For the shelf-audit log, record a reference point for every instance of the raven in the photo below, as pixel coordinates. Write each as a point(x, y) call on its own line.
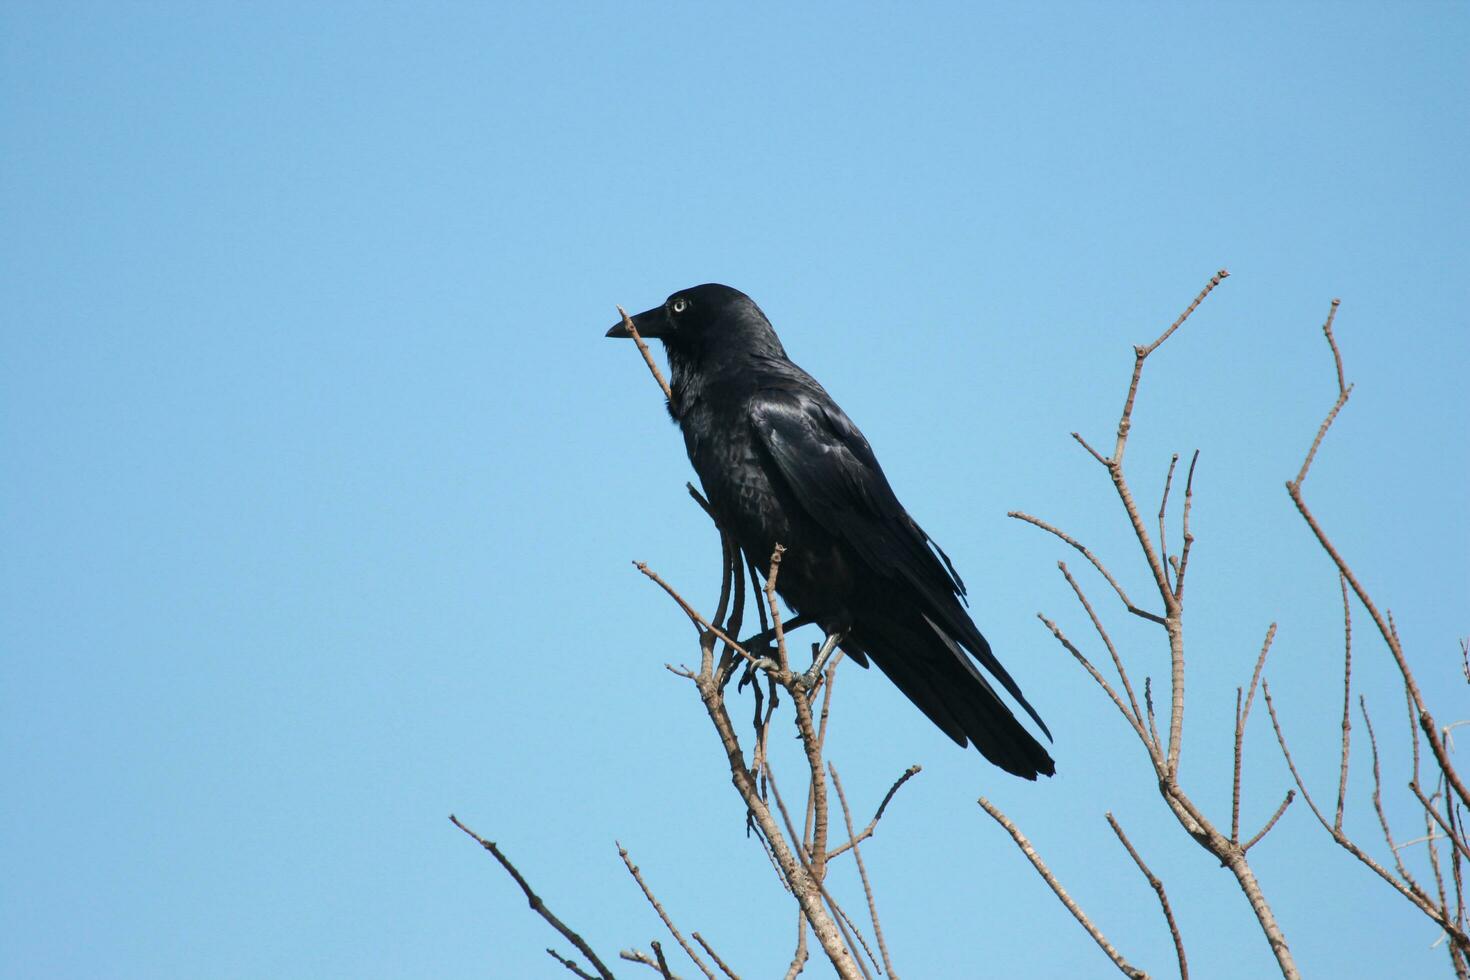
point(782, 463)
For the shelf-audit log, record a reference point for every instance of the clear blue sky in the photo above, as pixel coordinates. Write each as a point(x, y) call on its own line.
point(321, 482)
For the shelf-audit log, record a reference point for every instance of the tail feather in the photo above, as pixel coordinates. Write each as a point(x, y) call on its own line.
point(935, 674)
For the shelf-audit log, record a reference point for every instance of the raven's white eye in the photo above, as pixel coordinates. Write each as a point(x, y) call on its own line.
point(680, 305)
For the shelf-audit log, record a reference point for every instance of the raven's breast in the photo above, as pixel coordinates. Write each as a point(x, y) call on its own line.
point(754, 503)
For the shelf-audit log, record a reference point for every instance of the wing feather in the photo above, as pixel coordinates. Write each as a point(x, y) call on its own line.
point(833, 473)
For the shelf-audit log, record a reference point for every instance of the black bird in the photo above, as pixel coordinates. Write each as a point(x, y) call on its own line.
point(782, 463)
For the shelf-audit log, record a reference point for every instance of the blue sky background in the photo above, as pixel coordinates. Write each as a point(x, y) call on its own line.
point(321, 483)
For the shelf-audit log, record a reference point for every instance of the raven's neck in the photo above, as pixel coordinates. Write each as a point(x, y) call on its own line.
point(734, 374)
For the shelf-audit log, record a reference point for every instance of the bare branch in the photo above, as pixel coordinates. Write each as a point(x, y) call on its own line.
point(1450, 833)
point(1344, 390)
point(793, 869)
point(867, 831)
point(1148, 704)
point(658, 907)
point(1127, 603)
point(1384, 624)
point(1085, 445)
point(1097, 676)
point(1414, 895)
point(663, 964)
point(1164, 503)
point(1290, 795)
point(571, 965)
point(647, 355)
point(799, 958)
point(638, 956)
point(862, 872)
point(844, 924)
point(537, 905)
point(771, 575)
point(1140, 354)
point(1347, 699)
point(1158, 887)
point(1135, 718)
point(1183, 565)
point(1242, 713)
point(1128, 969)
point(724, 968)
point(694, 617)
point(1378, 803)
point(848, 964)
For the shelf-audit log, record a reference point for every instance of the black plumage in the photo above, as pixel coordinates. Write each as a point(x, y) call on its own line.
point(780, 462)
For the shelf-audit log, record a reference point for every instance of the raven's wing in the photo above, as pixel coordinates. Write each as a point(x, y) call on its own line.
point(833, 473)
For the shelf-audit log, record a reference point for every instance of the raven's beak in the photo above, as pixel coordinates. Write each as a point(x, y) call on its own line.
point(649, 323)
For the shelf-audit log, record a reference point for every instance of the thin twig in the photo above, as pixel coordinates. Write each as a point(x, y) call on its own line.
point(1378, 801)
point(663, 964)
point(1242, 713)
point(1088, 446)
point(771, 575)
point(1097, 676)
point(694, 617)
point(658, 907)
point(1347, 701)
point(862, 873)
point(537, 905)
point(1148, 704)
point(724, 968)
point(647, 355)
point(1344, 390)
point(839, 918)
point(867, 831)
point(1128, 969)
point(571, 965)
point(1158, 887)
point(1127, 603)
point(1141, 353)
point(799, 957)
point(638, 956)
point(1183, 564)
point(1384, 623)
point(1414, 895)
point(1135, 717)
point(1290, 795)
point(1164, 502)
point(1429, 806)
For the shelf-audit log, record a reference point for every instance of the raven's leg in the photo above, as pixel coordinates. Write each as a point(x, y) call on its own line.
point(809, 679)
point(765, 638)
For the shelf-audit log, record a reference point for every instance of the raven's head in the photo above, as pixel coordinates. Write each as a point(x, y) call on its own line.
point(705, 323)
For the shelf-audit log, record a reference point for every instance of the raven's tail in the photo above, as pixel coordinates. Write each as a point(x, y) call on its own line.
point(940, 678)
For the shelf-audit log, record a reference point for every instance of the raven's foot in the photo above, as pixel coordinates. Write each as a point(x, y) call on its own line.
point(811, 677)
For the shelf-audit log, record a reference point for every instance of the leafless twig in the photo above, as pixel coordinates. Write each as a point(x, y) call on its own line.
point(1290, 795)
point(1412, 892)
point(647, 355)
point(1384, 623)
point(1128, 969)
point(1158, 887)
point(571, 965)
point(1164, 756)
point(862, 871)
point(1127, 603)
point(867, 831)
point(537, 905)
point(658, 907)
point(1347, 701)
point(724, 968)
point(1242, 714)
